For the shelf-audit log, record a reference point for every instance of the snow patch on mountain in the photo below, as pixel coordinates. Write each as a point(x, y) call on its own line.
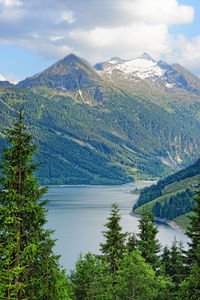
point(169, 85)
point(142, 67)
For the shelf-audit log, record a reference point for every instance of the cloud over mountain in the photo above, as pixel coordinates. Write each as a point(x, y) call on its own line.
point(92, 28)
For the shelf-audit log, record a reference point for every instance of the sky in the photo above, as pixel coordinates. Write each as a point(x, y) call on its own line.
point(34, 34)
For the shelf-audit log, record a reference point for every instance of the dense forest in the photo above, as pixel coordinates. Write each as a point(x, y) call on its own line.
point(93, 130)
point(131, 266)
point(171, 197)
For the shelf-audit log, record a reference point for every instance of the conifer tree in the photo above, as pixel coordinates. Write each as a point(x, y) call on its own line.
point(28, 267)
point(147, 243)
point(189, 288)
point(193, 232)
point(165, 260)
point(172, 262)
point(114, 246)
point(176, 266)
point(131, 244)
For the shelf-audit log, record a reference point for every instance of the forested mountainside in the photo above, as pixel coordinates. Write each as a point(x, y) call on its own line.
point(107, 126)
point(172, 198)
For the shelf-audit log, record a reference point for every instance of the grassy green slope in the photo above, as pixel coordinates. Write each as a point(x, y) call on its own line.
point(172, 198)
point(183, 221)
point(169, 191)
point(111, 140)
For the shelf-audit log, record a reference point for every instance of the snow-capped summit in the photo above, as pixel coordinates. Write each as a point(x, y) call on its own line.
point(116, 59)
point(143, 66)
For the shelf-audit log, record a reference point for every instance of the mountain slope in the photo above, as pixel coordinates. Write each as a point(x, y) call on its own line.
point(171, 198)
point(158, 73)
point(96, 128)
point(70, 73)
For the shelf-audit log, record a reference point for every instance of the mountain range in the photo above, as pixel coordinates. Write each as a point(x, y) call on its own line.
point(119, 121)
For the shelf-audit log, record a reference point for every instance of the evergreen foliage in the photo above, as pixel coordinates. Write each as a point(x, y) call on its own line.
point(173, 262)
point(122, 273)
point(189, 288)
point(102, 140)
point(173, 196)
point(130, 266)
point(131, 242)
point(147, 243)
point(177, 205)
point(91, 279)
point(193, 232)
point(114, 246)
point(28, 267)
point(137, 280)
point(155, 191)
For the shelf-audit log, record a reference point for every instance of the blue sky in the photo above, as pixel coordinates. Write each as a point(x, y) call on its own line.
point(36, 33)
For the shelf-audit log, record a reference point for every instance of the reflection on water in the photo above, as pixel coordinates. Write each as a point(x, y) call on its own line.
point(78, 215)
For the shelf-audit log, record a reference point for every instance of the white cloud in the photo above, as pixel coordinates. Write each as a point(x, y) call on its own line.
point(45, 49)
point(10, 77)
point(67, 16)
point(143, 27)
point(56, 38)
point(186, 52)
point(11, 3)
point(13, 78)
point(2, 78)
point(97, 29)
point(11, 15)
point(158, 11)
point(126, 41)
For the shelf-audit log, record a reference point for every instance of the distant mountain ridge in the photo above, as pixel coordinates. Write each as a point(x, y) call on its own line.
point(74, 73)
point(108, 126)
point(145, 67)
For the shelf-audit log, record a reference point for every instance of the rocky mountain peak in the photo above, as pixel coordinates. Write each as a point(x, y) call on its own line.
point(116, 58)
point(69, 73)
point(145, 55)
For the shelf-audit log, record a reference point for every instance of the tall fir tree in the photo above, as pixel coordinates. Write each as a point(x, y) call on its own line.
point(172, 262)
point(131, 244)
point(193, 232)
point(147, 242)
point(114, 246)
point(28, 267)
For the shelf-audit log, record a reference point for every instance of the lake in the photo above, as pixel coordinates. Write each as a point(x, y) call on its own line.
point(78, 214)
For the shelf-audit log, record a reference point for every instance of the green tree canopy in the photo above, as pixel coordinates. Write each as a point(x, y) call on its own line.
point(114, 246)
point(28, 267)
point(193, 232)
point(147, 243)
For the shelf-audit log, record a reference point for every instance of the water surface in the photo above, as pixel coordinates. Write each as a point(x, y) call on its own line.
point(78, 215)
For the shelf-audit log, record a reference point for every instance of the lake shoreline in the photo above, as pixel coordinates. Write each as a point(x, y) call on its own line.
point(102, 185)
point(171, 223)
point(78, 214)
